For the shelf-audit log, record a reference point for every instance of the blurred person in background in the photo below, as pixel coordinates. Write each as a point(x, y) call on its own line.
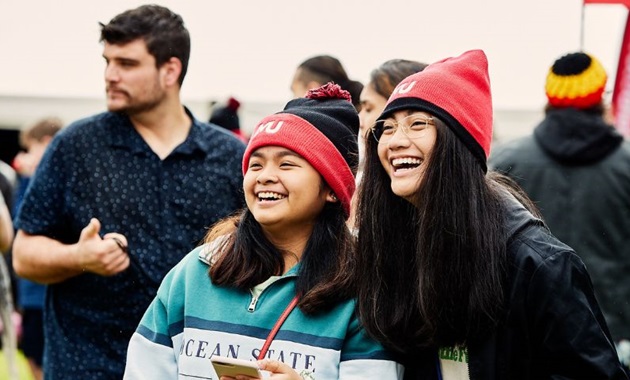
point(119, 197)
point(321, 69)
point(10, 320)
point(8, 184)
point(226, 116)
point(576, 167)
point(33, 139)
point(6, 226)
point(374, 95)
point(30, 295)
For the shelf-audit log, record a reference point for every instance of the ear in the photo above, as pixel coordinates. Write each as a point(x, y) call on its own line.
point(45, 139)
point(171, 70)
point(331, 197)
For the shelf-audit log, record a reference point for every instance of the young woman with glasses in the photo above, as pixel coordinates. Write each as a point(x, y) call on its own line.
point(455, 271)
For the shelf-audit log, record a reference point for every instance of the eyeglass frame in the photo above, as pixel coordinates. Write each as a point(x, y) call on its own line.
point(405, 128)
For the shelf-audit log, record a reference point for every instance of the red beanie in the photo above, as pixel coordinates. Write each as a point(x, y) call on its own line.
point(319, 128)
point(457, 91)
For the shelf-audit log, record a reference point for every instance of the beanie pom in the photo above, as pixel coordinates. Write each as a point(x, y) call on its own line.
point(233, 104)
point(330, 90)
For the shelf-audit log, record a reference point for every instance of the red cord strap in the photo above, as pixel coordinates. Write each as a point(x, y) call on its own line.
point(276, 327)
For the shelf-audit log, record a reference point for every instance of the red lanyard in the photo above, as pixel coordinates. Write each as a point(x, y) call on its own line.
point(276, 327)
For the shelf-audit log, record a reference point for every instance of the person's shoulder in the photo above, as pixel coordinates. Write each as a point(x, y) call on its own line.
point(195, 264)
point(209, 252)
point(537, 259)
point(84, 133)
point(89, 126)
point(189, 265)
point(530, 242)
point(617, 162)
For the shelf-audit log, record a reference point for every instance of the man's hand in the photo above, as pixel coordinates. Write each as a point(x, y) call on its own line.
point(105, 256)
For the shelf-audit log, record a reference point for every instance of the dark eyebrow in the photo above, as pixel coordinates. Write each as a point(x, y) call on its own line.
point(121, 59)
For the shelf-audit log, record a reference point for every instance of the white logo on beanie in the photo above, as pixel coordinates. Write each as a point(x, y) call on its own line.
point(403, 88)
point(268, 127)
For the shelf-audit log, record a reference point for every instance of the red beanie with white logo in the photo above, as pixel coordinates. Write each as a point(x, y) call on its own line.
point(457, 91)
point(318, 127)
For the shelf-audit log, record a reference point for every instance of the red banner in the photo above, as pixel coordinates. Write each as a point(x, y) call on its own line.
point(621, 92)
point(624, 2)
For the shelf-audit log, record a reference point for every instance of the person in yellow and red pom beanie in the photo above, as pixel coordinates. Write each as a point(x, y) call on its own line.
point(575, 166)
point(456, 271)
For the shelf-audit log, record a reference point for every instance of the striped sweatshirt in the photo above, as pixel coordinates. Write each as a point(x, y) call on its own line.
point(191, 319)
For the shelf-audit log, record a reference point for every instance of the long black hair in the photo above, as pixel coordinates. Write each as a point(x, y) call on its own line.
point(246, 258)
point(431, 274)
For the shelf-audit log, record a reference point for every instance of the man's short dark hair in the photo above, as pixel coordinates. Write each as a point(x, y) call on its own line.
point(162, 30)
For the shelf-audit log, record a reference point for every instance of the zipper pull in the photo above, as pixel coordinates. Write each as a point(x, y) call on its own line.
point(252, 304)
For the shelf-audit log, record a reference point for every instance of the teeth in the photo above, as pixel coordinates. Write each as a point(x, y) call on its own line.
point(406, 161)
point(270, 195)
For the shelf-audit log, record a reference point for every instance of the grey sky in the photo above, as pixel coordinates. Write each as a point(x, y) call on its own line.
point(250, 48)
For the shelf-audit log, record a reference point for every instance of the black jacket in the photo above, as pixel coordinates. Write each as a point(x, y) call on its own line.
point(553, 327)
point(576, 168)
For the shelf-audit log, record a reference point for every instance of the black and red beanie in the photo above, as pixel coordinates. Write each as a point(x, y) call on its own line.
point(226, 116)
point(575, 80)
point(457, 91)
point(318, 127)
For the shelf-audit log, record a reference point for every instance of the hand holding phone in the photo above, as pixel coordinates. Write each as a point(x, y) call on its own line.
point(232, 367)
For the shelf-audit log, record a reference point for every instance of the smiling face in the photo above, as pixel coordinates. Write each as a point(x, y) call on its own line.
point(283, 191)
point(404, 159)
point(133, 82)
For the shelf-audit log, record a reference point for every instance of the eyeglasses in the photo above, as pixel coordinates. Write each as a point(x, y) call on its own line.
point(413, 126)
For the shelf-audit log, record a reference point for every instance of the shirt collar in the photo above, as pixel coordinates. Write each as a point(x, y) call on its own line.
point(196, 140)
point(125, 136)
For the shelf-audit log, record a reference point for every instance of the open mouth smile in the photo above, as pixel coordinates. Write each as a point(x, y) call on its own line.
point(269, 196)
point(401, 164)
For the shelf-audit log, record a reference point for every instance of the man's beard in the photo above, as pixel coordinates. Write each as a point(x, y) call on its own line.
point(136, 107)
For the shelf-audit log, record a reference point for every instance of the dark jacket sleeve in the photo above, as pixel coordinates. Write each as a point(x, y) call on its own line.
point(570, 336)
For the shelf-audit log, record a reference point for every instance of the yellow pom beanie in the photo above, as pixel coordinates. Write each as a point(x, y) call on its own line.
point(575, 80)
